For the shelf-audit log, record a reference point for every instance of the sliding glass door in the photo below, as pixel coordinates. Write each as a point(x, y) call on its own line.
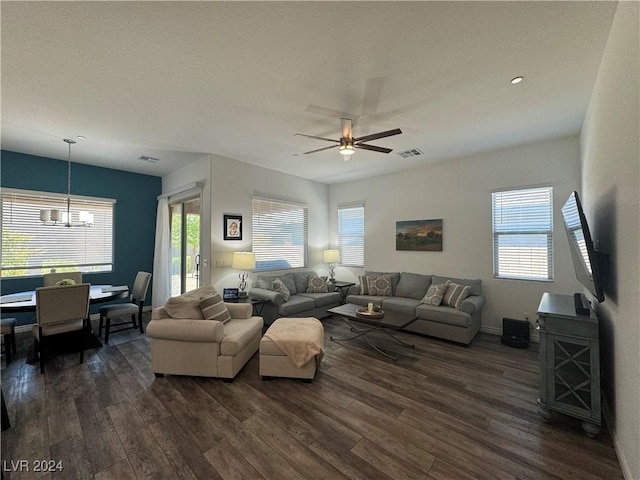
point(185, 245)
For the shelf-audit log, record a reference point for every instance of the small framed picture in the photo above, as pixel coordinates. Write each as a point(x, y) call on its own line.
point(232, 227)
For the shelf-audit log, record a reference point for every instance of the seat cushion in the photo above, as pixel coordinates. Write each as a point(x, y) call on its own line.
point(448, 315)
point(296, 304)
point(364, 300)
point(119, 309)
point(321, 299)
point(238, 333)
point(400, 304)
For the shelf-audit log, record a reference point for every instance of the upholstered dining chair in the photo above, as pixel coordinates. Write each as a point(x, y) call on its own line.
point(60, 309)
point(50, 279)
point(133, 308)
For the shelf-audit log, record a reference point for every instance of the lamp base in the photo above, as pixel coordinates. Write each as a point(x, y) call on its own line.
point(242, 294)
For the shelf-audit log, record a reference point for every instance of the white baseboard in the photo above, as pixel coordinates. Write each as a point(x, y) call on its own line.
point(622, 460)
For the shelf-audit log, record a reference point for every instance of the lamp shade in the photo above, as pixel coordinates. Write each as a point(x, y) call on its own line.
point(331, 256)
point(243, 260)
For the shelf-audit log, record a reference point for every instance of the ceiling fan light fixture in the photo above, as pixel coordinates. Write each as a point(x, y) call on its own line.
point(347, 150)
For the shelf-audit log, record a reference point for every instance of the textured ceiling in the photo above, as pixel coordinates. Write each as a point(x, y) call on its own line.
point(176, 80)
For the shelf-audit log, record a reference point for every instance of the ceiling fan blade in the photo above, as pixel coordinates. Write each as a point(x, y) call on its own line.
point(317, 138)
point(320, 149)
point(346, 127)
point(375, 136)
point(373, 148)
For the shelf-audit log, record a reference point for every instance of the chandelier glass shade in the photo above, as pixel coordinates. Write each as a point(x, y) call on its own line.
point(57, 217)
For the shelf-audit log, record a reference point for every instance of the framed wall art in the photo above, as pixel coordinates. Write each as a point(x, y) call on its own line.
point(232, 227)
point(420, 235)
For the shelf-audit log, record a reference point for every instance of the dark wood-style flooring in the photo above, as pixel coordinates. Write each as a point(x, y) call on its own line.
point(441, 411)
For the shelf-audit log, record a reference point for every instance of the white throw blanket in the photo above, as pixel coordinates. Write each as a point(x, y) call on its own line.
point(300, 339)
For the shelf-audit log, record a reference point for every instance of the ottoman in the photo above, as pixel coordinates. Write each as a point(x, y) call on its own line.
point(292, 348)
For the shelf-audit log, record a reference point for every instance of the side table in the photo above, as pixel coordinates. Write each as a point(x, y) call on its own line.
point(343, 289)
point(257, 303)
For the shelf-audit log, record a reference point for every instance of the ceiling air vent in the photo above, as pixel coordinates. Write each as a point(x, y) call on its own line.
point(146, 158)
point(414, 152)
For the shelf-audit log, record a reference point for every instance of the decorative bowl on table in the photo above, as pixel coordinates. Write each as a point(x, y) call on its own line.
point(365, 313)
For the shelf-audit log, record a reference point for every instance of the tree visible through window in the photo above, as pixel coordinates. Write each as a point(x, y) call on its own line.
point(523, 234)
point(30, 248)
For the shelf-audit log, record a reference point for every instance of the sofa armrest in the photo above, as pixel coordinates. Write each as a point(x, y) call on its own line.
point(204, 331)
point(274, 297)
point(240, 310)
point(472, 303)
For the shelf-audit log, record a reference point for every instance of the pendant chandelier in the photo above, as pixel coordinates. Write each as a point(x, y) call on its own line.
point(57, 217)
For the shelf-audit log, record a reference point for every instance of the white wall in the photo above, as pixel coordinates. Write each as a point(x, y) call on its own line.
point(459, 192)
point(234, 183)
point(610, 184)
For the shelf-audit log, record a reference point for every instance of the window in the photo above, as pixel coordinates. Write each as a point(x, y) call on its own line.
point(279, 234)
point(30, 248)
point(523, 234)
point(351, 235)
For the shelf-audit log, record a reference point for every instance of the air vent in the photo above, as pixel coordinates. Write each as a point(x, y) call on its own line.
point(414, 152)
point(145, 158)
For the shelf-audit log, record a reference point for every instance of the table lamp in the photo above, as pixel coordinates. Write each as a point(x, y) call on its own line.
point(332, 257)
point(243, 261)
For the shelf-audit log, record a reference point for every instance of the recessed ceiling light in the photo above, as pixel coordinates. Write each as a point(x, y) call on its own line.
point(516, 80)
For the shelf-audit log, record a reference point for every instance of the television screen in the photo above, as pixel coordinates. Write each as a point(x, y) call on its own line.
point(583, 253)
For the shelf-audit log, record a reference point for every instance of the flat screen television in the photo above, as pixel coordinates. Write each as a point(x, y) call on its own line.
point(586, 260)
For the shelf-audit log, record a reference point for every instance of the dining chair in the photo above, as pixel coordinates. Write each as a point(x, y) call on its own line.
point(60, 309)
point(50, 279)
point(133, 308)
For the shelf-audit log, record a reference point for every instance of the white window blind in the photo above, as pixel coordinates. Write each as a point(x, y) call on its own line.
point(523, 234)
point(279, 234)
point(351, 235)
point(30, 248)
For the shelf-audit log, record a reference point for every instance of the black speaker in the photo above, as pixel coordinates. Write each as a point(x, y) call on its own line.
point(515, 333)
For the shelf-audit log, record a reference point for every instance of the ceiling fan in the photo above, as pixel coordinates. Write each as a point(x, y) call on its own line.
point(347, 144)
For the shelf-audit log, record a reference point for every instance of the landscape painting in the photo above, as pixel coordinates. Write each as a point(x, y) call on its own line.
point(421, 235)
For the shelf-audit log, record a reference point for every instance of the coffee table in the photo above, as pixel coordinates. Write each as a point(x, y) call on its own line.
point(391, 321)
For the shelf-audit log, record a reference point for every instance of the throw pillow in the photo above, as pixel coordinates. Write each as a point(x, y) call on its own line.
point(364, 285)
point(380, 286)
point(435, 294)
point(184, 307)
point(455, 294)
point(279, 286)
point(317, 285)
point(213, 308)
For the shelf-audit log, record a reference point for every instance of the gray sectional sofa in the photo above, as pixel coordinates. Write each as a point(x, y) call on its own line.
point(459, 324)
point(301, 303)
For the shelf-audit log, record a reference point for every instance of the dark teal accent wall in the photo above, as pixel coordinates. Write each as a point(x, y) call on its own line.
point(134, 213)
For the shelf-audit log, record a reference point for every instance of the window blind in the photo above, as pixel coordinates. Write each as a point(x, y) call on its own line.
point(279, 234)
point(30, 248)
point(351, 235)
point(523, 234)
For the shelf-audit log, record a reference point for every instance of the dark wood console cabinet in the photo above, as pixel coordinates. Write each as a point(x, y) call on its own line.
point(569, 362)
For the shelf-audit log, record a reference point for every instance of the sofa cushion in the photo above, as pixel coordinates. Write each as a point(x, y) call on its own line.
point(412, 285)
point(435, 294)
point(301, 279)
point(266, 282)
point(455, 294)
point(184, 307)
point(400, 304)
point(239, 334)
point(447, 315)
point(476, 285)
point(278, 286)
point(317, 284)
point(325, 298)
point(395, 278)
point(380, 286)
point(296, 304)
point(364, 300)
point(213, 308)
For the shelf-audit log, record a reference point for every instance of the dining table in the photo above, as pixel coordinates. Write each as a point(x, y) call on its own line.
point(26, 301)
